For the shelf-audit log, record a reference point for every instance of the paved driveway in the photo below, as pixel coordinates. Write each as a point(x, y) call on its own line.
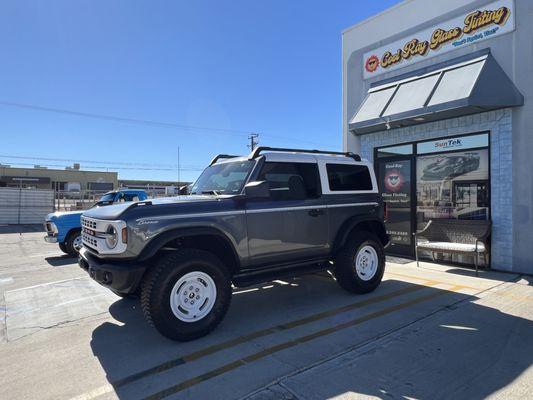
point(430, 332)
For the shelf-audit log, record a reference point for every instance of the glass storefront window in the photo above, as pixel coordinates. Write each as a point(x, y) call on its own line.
point(450, 181)
point(395, 150)
point(453, 185)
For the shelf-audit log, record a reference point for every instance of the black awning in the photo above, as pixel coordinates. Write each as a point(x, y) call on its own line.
point(25, 179)
point(463, 86)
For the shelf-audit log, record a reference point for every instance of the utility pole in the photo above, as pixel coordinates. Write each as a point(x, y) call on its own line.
point(253, 141)
point(179, 182)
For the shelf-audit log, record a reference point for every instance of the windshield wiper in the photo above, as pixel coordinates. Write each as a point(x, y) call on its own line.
point(211, 192)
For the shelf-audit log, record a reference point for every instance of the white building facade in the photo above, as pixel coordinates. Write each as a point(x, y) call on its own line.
point(439, 96)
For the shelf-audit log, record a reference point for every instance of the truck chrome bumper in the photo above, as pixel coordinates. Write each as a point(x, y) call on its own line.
point(50, 239)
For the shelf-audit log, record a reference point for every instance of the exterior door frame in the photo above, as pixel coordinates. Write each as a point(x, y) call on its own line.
point(409, 249)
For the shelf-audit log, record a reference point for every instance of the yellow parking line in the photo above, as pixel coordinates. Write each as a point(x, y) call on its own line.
point(264, 332)
point(246, 338)
point(303, 339)
point(418, 278)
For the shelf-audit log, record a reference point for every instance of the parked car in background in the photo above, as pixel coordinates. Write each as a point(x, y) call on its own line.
point(64, 227)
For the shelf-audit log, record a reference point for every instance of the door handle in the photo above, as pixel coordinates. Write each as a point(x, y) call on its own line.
point(315, 212)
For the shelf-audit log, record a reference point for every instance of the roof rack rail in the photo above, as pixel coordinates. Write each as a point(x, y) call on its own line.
point(221, 156)
point(258, 150)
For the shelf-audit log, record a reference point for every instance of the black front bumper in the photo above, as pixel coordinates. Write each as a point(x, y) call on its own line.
point(121, 276)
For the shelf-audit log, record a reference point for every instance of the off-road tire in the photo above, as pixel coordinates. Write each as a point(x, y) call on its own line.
point(159, 282)
point(345, 271)
point(63, 248)
point(69, 242)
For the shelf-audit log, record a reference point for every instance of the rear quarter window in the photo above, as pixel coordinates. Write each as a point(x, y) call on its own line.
point(348, 177)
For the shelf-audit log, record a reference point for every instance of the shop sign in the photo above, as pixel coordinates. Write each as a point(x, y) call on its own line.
point(464, 142)
point(486, 22)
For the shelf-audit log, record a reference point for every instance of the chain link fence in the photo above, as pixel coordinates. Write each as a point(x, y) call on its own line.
point(25, 206)
point(30, 206)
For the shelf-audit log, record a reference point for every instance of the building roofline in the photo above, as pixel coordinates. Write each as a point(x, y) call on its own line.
point(11, 167)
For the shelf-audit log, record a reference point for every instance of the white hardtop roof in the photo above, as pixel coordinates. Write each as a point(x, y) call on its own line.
point(298, 157)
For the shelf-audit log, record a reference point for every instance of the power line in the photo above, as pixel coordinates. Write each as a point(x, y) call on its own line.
point(121, 119)
point(154, 123)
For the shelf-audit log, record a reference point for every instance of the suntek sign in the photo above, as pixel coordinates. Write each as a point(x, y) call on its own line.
point(489, 21)
point(448, 144)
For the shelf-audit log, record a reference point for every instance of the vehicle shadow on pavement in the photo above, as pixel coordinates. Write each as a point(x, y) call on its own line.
point(481, 346)
point(131, 345)
point(60, 261)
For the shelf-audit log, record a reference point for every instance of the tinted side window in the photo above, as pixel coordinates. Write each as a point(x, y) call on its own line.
point(131, 197)
point(348, 177)
point(291, 181)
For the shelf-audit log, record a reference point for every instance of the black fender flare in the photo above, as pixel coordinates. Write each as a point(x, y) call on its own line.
point(375, 225)
point(163, 238)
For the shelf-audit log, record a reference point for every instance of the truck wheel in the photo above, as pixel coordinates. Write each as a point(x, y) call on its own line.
point(73, 243)
point(186, 294)
point(360, 265)
point(63, 248)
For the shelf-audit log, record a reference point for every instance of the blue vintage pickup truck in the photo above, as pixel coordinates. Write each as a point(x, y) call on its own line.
point(64, 227)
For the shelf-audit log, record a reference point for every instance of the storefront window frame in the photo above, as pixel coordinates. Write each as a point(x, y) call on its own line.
point(413, 158)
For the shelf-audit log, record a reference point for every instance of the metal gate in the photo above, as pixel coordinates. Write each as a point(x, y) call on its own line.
point(25, 206)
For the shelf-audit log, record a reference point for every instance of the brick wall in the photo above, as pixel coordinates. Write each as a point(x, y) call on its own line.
point(499, 124)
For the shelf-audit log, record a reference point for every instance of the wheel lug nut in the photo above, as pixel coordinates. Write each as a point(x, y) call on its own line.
point(197, 297)
point(192, 302)
point(196, 290)
point(185, 293)
point(186, 300)
point(190, 287)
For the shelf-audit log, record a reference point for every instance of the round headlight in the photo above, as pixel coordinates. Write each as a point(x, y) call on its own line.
point(111, 237)
point(53, 227)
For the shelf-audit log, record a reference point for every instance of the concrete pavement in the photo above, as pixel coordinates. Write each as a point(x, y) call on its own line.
point(471, 350)
point(426, 332)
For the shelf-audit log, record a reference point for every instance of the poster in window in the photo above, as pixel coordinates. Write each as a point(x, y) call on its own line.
point(453, 185)
point(395, 188)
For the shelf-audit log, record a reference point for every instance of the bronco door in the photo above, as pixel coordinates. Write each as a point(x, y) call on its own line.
point(293, 223)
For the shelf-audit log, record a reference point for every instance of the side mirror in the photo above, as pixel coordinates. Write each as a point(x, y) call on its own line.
point(257, 190)
point(184, 190)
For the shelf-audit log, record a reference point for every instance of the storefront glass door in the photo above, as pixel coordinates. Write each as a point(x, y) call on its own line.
point(395, 174)
point(445, 178)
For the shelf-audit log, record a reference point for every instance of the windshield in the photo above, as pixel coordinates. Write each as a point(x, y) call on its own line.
point(225, 178)
point(107, 197)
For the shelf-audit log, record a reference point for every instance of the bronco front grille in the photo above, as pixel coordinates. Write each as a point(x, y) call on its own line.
point(89, 240)
point(87, 223)
point(93, 235)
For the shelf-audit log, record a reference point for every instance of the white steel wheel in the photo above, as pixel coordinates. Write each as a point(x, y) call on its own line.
point(77, 243)
point(366, 263)
point(193, 296)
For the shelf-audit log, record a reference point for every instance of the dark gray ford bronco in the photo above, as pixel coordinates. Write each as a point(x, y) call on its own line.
point(275, 213)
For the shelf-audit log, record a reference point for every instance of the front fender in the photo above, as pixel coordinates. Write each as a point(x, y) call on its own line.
point(165, 237)
point(65, 223)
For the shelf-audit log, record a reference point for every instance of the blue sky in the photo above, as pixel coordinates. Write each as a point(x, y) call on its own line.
point(272, 67)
